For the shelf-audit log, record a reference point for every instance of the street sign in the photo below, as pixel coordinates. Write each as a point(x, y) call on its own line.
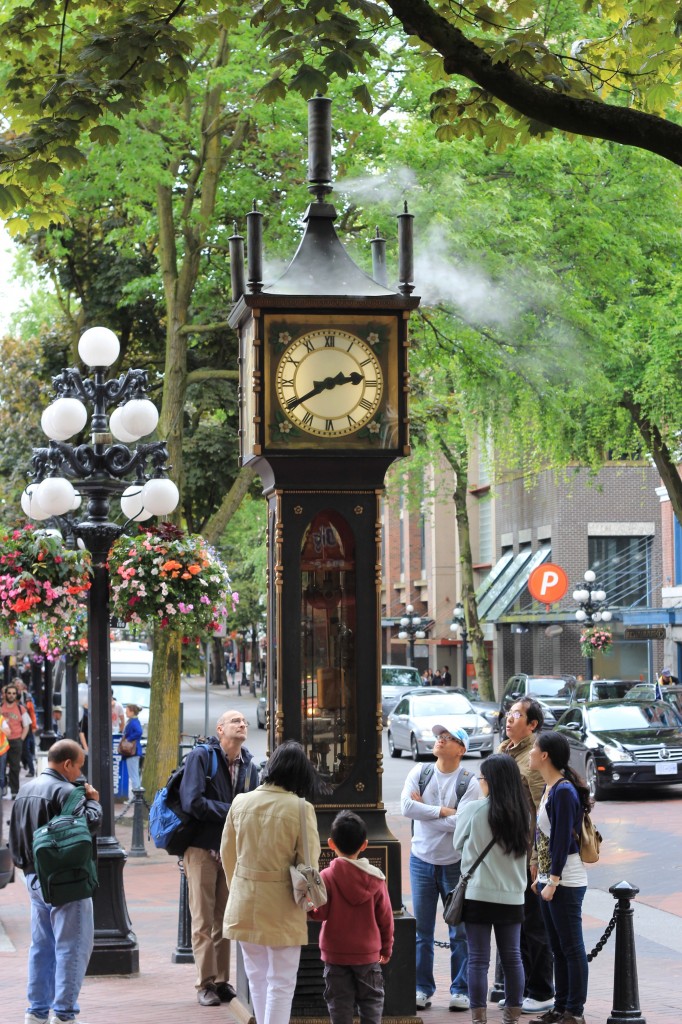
point(548, 583)
point(644, 633)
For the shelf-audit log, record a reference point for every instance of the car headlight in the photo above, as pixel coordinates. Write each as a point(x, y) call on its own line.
point(616, 754)
point(426, 734)
point(487, 729)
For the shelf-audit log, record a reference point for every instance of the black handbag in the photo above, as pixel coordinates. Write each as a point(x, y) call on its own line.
point(453, 908)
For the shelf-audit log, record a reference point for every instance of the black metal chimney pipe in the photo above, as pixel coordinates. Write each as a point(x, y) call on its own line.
point(320, 147)
point(254, 242)
point(405, 252)
point(379, 258)
point(237, 264)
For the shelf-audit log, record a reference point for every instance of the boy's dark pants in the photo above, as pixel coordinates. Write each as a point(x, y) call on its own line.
point(346, 985)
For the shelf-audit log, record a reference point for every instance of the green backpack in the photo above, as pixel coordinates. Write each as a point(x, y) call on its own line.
point(64, 855)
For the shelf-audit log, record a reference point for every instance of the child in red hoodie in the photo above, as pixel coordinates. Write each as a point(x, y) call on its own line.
point(357, 926)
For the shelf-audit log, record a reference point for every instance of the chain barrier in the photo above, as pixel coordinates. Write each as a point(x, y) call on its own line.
point(604, 939)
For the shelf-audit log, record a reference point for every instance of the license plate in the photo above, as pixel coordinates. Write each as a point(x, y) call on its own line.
point(666, 768)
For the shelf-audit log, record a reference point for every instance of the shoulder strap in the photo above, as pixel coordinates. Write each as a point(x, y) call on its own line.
point(463, 783)
point(481, 856)
point(213, 760)
point(304, 829)
point(74, 798)
point(425, 777)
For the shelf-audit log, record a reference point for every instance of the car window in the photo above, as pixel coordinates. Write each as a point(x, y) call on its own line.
point(400, 676)
point(513, 686)
point(582, 691)
point(446, 705)
point(548, 687)
point(401, 708)
point(649, 715)
point(575, 715)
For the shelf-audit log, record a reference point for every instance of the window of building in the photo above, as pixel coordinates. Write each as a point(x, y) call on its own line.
point(623, 568)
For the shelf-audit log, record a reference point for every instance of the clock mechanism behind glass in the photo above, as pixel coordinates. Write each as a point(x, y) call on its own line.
point(328, 629)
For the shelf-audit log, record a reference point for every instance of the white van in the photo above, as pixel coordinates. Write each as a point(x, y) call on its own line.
point(131, 676)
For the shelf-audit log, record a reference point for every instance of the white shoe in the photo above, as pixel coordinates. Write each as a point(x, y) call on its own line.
point(502, 1003)
point(459, 1001)
point(423, 1001)
point(32, 1018)
point(536, 1005)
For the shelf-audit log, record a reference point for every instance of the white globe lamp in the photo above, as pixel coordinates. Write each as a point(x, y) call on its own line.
point(98, 346)
point(67, 417)
point(31, 505)
point(132, 506)
point(56, 495)
point(117, 428)
point(139, 417)
point(160, 496)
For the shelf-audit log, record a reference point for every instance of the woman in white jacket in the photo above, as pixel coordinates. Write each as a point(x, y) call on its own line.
point(495, 893)
point(261, 841)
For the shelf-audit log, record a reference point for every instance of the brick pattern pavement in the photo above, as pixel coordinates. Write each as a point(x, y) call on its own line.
point(163, 992)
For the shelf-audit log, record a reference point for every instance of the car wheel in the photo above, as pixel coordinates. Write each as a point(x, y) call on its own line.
point(592, 779)
point(414, 747)
point(392, 749)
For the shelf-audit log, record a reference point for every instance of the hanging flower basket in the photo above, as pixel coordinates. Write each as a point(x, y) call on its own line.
point(595, 640)
point(175, 580)
point(42, 588)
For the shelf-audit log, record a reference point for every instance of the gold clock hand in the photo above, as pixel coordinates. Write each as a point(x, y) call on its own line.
point(325, 385)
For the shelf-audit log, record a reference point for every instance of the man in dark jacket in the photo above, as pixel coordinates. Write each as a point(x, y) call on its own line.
point(208, 798)
point(61, 937)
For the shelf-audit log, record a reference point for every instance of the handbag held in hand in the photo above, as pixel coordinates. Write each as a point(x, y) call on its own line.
point(453, 907)
point(308, 888)
point(127, 748)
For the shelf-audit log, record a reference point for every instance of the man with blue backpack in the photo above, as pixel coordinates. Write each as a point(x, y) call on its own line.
point(61, 805)
point(214, 773)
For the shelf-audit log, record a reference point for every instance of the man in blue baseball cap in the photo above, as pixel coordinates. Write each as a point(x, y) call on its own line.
point(430, 797)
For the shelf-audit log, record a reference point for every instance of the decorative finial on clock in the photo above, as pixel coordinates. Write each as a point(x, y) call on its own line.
point(254, 243)
point(236, 263)
point(320, 147)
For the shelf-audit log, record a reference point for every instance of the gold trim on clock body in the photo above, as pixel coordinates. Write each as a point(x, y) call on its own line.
point(329, 382)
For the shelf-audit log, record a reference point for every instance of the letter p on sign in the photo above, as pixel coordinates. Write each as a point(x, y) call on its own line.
point(548, 583)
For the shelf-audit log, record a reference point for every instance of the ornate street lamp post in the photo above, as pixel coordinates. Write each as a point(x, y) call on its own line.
point(411, 628)
point(459, 624)
point(101, 470)
point(592, 607)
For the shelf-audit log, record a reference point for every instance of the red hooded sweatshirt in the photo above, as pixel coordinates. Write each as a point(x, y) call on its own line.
point(357, 920)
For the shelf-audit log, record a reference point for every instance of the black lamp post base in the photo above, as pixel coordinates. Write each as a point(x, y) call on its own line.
point(116, 950)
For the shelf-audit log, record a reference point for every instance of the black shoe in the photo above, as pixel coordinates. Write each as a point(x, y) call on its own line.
point(548, 1017)
point(225, 991)
point(208, 996)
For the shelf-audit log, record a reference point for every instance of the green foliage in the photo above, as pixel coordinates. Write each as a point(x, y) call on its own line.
point(244, 549)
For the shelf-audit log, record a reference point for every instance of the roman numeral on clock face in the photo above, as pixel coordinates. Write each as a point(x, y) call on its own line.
point(329, 341)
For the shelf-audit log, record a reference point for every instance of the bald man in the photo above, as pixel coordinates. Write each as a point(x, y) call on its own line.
point(208, 796)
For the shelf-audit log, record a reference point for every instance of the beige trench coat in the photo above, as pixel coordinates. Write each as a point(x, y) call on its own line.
point(261, 840)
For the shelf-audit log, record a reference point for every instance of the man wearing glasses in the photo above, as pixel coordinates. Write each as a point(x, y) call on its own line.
point(18, 719)
point(430, 797)
point(523, 721)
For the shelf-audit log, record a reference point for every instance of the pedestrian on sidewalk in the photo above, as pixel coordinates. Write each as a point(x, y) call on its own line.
point(495, 892)
point(357, 926)
point(431, 797)
point(133, 734)
point(61, 937)
point(28, 750)
point(523, 723)
point(19, 721)
point(261, 841)
point(208, 798)
point(562, 879)
point(4, 750)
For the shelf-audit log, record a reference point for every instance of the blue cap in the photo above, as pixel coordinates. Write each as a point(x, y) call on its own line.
point(461, 735)
point(666, 672)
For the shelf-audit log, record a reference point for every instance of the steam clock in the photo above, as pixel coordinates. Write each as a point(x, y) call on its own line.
point(323, 414)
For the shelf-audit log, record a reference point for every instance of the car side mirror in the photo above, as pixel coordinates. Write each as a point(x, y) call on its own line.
point(573, 726)
point(515, 695)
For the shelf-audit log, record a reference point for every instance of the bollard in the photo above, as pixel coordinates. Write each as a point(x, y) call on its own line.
point(137, 848)
point(625, 983)
point(183, 951)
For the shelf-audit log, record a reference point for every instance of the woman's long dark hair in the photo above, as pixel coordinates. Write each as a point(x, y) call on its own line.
point(289, 767)
point(508, 810)
point(558, 750)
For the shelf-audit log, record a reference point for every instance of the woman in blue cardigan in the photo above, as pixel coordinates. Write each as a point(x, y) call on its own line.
point(495, 892)
point(562, 880)
point(133, 732)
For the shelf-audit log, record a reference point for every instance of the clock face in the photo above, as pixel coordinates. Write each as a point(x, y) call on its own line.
point(329, 383)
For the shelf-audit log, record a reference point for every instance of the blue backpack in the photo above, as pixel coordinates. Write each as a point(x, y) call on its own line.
point(170, 828)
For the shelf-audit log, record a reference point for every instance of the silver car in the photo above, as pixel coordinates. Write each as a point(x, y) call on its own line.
point(411, 721)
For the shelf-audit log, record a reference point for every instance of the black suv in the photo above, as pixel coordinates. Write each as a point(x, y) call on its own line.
point(553, 694)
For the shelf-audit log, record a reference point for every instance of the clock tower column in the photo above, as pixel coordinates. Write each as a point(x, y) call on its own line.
point(323, 414)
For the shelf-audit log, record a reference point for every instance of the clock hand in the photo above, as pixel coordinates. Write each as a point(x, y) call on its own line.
point(325, 385)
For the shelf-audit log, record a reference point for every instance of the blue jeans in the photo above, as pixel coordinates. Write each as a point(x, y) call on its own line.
point(133, 766)
point(508, 939)
point(428, 882)
point(61, 943)
point(563, 920)
point(3, 762)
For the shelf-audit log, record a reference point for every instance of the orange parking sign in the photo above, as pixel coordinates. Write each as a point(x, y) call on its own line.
point(548, 583)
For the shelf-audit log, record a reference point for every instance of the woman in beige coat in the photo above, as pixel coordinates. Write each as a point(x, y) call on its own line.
point(261, 840)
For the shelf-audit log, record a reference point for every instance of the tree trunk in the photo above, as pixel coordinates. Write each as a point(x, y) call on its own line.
point(164, 714)
point(659, 452)
point(459, 464)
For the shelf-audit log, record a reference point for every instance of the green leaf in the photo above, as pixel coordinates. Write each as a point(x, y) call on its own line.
point(104, 134)
point(361, 95)
point(69, 156)
point(308, 81)
point(272, 91)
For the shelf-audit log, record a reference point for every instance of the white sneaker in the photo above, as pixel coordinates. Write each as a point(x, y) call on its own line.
point(459, 1001)
point(536, 1005)
point(423, 1001)
point(32, 1018)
